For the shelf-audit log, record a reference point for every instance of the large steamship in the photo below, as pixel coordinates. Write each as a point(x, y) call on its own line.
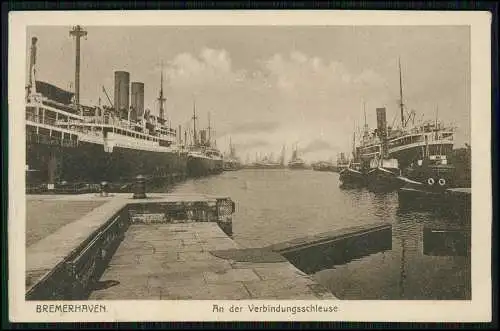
point(203, 157)
point(70, 142)
point(404, 147)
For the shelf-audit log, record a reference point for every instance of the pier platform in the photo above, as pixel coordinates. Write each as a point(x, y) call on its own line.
point(175, 262)
point(162, 247)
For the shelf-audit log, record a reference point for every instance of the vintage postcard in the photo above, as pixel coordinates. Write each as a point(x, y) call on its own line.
point(249, 166)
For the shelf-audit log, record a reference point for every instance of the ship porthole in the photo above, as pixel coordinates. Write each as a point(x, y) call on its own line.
point(442, 182)
point(430, 181)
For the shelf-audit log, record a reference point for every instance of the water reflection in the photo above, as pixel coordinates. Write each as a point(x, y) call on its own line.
point(429, 259)
point(273, 206)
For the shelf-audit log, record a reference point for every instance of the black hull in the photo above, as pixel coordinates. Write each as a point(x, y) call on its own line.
point(383, 179)
point(410, 155)
point(438, 176)
point(89, 163)
point(200, 166)
point(352, 178)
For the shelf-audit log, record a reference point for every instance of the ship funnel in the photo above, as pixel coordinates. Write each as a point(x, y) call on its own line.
point(381, 123)
point(137, 99)
point(122, 104)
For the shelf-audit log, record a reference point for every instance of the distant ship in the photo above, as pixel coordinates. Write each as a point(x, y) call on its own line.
point(232, 162)
point(324, 166)
point(268, 163)
point(296, 162)
point(203, 158)
point(67, 142)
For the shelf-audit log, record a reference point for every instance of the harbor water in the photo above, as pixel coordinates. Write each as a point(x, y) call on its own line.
point(423, 261)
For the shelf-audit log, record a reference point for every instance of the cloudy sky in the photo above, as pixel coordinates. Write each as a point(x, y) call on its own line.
point(271, 86)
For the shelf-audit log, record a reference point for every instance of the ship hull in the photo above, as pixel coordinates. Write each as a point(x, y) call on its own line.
point(439, 176)
point(297, 166)
point(88, 162)
point(410, 154)
point(350, 177)
point(202, 166)
point(231, 166)
point(383, 179)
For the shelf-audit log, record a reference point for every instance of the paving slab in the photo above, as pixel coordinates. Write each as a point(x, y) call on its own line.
point(189, 268)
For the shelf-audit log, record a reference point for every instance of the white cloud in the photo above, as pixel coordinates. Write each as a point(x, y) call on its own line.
point(306, 95)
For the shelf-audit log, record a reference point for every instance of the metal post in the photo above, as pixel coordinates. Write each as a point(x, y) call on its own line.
point(140, 187)
point(104, 188)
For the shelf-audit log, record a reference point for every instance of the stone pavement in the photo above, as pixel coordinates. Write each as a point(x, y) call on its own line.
point(180, 261)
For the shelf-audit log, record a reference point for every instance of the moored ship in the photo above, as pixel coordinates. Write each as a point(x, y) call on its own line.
point(352, 176)
point(403, 146)
point(203, 158)
point(231, 161)
point(296, 162)
point(342, 162)
point(67, 142)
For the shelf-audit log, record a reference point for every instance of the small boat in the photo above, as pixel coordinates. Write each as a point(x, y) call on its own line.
point(433, 171)
point(384, 174)
point(352, 176)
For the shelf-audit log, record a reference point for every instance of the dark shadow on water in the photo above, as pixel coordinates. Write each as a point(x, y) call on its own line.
point(446, 242)
point(323, 256)
point(102, 285)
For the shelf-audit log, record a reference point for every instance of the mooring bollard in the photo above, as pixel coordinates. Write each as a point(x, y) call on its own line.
point(140, 187)
point(104, 188)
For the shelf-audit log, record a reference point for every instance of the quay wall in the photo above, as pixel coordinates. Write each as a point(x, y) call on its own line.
point(69, 263)
point(313, 253)
point(66, 264)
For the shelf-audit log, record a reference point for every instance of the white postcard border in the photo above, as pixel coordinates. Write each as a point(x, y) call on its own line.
point(476, 310)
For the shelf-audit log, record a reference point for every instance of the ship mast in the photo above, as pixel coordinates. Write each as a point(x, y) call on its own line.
point(161, 98)
point(209, 129)
point(365, 127)
point(354, 141)
point(78, 33)
point(194, 122)
point(401, 104)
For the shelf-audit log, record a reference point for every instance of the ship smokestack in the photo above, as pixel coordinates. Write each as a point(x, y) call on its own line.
point(381, 123)
point(32, 78)
point(122, 83)
point(382, 129)
point(137, 99)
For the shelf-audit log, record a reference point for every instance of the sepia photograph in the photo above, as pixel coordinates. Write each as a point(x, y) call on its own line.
point(247, 169)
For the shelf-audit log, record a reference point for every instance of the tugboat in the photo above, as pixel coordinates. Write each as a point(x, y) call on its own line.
point(352, 176)
point(384, 172)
